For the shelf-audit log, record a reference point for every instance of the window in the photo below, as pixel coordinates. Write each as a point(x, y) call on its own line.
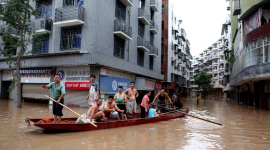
point(73, 2)
point(10, 50)
point(119, 47)
point(41, 45)
point(141, 3)
point(162, 41)
point(172, 61)
point(44, 8)
point(152, 15)
point(71, 38)
point(151, 38)
point(151, 63)
point(162, 58)
point(162, 8)
point(162, 72)
point(162, 24)
point(141, 29)
point(140, 59)
point(120, 10)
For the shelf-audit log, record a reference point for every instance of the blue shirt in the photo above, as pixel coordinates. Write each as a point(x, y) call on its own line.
point(151, 113)
point(96, 86)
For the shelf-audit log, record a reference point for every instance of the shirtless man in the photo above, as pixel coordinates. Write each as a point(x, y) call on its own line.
point(132, 94)
point(109, 107)
point(94, 111)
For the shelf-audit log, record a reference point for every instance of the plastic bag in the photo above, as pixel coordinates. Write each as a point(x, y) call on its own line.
point(80, 120)
point(114, 115)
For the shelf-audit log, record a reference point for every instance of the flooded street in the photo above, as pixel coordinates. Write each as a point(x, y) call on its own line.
point(243, 128)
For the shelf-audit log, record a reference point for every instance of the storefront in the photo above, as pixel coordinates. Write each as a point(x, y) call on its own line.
point(76, 81)
point(109, 85)
point(143, 86)
point(31, 81)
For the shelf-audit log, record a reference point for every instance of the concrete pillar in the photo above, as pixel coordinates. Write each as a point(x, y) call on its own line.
point(1, 72)
point(225, 95)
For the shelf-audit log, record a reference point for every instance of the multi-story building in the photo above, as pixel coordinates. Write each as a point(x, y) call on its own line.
point(250, 29)
point(175, 50)
point(117, 40)
point(212, 61)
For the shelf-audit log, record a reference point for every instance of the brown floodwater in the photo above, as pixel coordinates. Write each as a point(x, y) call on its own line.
point(243, 128)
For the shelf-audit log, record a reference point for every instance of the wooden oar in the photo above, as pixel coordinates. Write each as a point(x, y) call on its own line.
point(72, 111)
point(193, 116)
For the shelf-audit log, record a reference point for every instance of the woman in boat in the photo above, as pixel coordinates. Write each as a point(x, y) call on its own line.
point(161, 100)
point(144, 104)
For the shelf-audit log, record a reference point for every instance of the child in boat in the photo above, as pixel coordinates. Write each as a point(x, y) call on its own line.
point(152, 112)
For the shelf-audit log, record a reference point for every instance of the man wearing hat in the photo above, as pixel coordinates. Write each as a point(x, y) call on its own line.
point(120, 99)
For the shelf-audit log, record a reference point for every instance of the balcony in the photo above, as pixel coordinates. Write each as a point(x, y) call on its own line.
point(221, 77)
point(122, 30)
point(69, 16)
point(143, 16)
point(236, 7)
point(221, 69)
point(154, 5)
point(215, 71)
point(221, 61)
point(215, 78)
point(5, 30)
point(221, 53)
point(153, 51)
point(127, 3)
point(193, 86)
point(154, 27)
point(3, 2)
point(42, 26)
point(183, 34)
point(201, 58)
point(143, 44)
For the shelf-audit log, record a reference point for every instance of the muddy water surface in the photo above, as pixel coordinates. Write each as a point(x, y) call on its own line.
point(243, 128)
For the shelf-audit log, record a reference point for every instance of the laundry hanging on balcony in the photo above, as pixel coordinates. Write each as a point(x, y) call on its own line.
point(253, 22)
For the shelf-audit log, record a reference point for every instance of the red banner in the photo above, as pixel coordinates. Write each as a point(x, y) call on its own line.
point(158, 85)
point(149, 84)
point(77, 85)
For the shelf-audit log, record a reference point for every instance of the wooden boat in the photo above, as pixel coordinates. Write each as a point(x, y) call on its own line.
point(68, 124)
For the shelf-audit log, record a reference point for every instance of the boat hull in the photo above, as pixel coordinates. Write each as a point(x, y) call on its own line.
point(68, 124)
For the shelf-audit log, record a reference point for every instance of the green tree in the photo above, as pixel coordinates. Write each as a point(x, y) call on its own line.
point(230, 59)
point(17, 16)
point(203, 80)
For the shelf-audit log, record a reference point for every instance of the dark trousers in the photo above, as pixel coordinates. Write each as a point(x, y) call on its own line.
point(57, 108)
point(142, 112)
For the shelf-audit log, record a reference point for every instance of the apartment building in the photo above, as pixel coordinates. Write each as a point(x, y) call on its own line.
point(250, 29)
point(117, 40)
point(175, 51)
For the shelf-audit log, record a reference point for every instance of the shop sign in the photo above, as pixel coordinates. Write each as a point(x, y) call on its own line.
point(158, 85)
point(171, 85)
point(149, 84)
point(74, 75)
point(77, 85)
point(110, 84)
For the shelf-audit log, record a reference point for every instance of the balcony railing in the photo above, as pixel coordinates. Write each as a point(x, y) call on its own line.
point(69, 16)
point(127, 3)
point(5, 30)
point(153, 51)
point(154, 27)
point(143, 16)
point(143, 44)
point(3, 2)
point(183, 34)
point(122, 30)
point(154, 5)
point(42, 26)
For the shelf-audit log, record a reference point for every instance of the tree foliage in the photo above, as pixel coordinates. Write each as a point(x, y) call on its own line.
point(203, 80)
point(18, 35)
point(230, 59)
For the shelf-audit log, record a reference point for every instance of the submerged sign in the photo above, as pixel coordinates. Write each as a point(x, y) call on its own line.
point(110, 84)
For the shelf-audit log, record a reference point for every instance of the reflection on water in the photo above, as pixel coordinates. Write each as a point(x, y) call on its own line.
point(243, 128)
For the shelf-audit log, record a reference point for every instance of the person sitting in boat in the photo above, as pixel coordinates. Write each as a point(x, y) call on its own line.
point(152, 112)
point(109, 107)
point(161, 100)
point(94, 111)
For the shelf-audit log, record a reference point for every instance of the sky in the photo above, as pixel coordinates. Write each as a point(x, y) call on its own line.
point(202, 21)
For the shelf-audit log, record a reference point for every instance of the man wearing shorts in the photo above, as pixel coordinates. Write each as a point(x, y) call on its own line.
point(121, 104)
point(132, 94)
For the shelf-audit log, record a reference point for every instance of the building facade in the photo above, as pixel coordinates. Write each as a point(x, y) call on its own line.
point(175, 51)
point(250, 42)
point(117, 40)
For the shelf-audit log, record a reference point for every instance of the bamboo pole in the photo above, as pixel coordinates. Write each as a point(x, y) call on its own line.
point(195, 116)
point(72, 111)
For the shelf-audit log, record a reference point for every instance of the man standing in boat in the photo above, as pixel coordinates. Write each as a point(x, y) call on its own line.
point(162, 101)
point(132, 94)
point(59, 92)
point(121, 100)
point(93, 91)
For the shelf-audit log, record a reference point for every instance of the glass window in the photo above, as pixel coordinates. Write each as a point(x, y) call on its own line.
point(73, 2)
point(44, 8)
point(141, 29)
point(162, 41)
point(10, 50)
point(140, 59)
point(71, 38)
point(162, 58)
point(120, 10)
point(151, 63)
point(119, 47)
point(41, 45)
point(162, 24)
point(151, 38)
point(162, 8)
